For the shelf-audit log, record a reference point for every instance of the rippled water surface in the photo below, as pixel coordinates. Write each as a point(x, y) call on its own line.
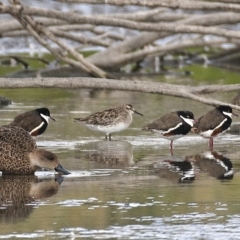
point(127, 188)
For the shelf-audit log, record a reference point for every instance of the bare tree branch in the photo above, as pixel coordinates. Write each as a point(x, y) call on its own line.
point(49, 27)
point(126, 85)
point(183, 4)
point(76, 18)
point(31, 25)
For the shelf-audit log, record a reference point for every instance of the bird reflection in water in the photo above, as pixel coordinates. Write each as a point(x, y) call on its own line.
point(215, 164)
point(19, 193)
point(178, 169)
point(108, 154)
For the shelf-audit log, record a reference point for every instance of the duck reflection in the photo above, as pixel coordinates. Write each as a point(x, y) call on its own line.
point(179, 169)
point(109, 153)
point(215, 164)
point(18, 194)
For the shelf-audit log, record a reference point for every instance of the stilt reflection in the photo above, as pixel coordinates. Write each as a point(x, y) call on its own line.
point(215, 164)
point(177, 169)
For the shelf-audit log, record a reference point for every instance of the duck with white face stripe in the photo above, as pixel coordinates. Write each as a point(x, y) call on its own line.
point(172, 125)
point(214, 122)
point(35, 121)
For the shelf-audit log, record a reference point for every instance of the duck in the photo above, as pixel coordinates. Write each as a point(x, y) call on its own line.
point(19, 153)
point(35, 121)
point(21, 193)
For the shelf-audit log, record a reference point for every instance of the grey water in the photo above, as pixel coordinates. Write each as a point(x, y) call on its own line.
point(127, 188)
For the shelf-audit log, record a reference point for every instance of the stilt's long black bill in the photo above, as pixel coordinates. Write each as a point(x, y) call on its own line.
point(62, 170)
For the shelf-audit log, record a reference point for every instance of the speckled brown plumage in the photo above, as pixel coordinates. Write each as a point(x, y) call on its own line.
point(110, 120)
point(18, 191)
point(108, 116)
point(19, 153)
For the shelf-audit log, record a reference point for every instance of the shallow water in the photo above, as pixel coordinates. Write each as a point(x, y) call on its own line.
point(129, 188)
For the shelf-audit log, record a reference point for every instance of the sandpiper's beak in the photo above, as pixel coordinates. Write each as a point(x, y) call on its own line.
point(76, 119)
point(137, 112)
point(233, 113)
point(61, 170)
point(52, 118)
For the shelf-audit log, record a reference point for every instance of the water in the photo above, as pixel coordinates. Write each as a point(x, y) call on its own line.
point(129, 188)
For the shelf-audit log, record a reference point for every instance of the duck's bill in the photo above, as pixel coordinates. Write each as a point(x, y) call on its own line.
point(59, 179)
point(60, 169)
point(138, 113)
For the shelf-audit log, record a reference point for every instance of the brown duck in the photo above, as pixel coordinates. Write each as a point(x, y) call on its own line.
point(19, 153)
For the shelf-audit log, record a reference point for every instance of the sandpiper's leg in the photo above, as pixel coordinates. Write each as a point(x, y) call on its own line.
point(106, 137)
point(211, 144)
point(171, 147)
point(110, 137)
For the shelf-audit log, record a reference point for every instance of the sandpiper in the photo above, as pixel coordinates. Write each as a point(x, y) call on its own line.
point(35, 121)
point(19, 153)
point(172, 125)
point(110, 120)
point(214, 122)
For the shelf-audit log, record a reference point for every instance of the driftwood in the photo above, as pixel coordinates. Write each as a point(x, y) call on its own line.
point(193, 93)
point(146, 27)
point(125, 38)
